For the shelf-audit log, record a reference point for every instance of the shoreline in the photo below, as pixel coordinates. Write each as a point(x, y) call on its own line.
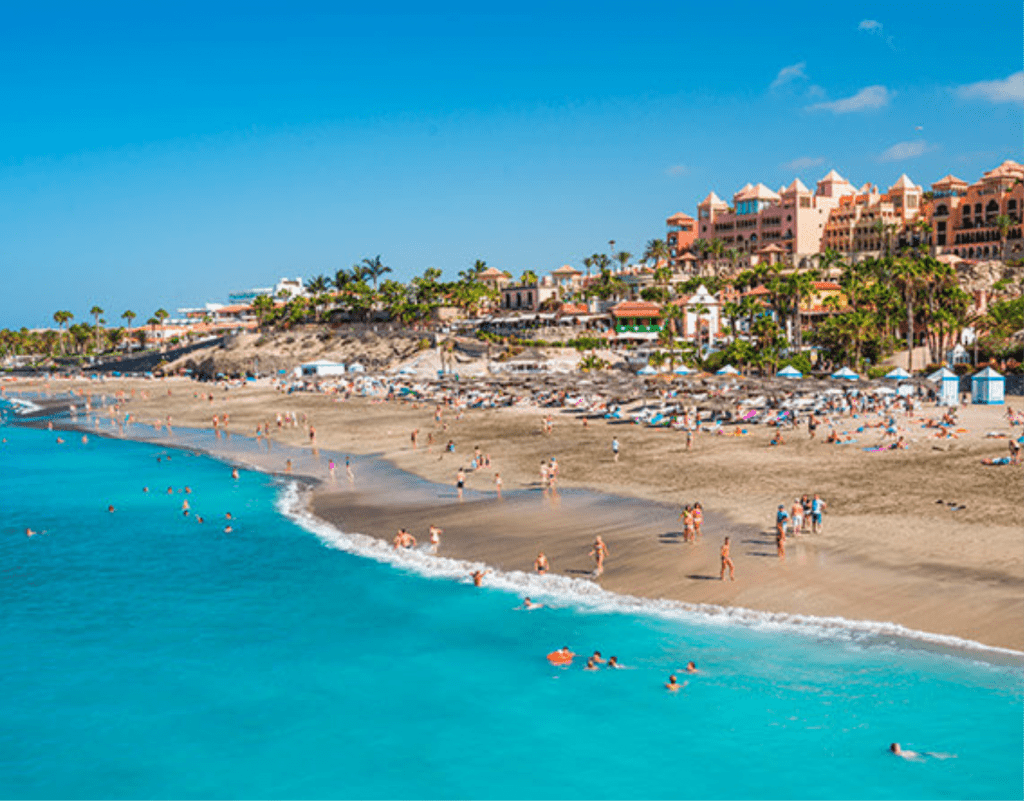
point(646, 557)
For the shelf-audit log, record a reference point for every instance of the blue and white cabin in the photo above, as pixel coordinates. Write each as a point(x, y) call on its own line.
point(987, 387)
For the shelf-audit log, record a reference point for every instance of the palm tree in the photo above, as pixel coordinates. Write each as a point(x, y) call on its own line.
point(716, 247)
point(374, 269)
point(528, 277)
point(733, 311)
point(623, 257)
point(317, 286)
point(801, 289)
point(96, 311)
point(343, 278)
point(62, 318)
point(1004, 223)
point(657, 250)
point(128, 315)
point(263, 306)
point(906, 274)
point(162, 315)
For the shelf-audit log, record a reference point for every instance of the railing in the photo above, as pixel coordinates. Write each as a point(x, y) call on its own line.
point(637, 329)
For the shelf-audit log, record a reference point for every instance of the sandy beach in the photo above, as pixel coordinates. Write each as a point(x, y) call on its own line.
point(889, 550)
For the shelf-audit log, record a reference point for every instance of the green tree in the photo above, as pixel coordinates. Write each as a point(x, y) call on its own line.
point(528, 277)
point(1003, 223)
point(263, 308)
point(374, 269)
point(62, 318)
point(96, 312)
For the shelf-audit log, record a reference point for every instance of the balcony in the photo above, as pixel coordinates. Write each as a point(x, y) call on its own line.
point(637, 329)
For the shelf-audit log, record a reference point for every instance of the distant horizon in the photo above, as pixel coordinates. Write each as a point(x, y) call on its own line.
point(164, 159)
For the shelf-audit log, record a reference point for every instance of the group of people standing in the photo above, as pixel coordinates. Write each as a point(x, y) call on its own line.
point(806, 512)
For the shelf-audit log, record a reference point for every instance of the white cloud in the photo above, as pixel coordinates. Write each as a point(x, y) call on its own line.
point(867, 99)
point(676, 170)
point(875, 28)
point(815, 91)
point(1005, 90)
point(803, 163)
point(902, 151)
point(789, 74)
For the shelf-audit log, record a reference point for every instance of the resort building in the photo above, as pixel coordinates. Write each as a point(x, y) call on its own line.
point(870, 222)
point(285, 289)
point(793, 218)
point(493, 278)
point(528, 297)
point(963, 217)
point(702, 315)
point(680, 238)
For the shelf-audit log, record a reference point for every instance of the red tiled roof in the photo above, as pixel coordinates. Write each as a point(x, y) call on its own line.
point(758, 290)
point(636, 308)
point(826, 285)
point(573, 308)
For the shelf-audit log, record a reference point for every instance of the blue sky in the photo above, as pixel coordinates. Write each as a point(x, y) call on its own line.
point(165, 154)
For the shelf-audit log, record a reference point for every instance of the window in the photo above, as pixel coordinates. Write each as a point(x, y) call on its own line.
point(911, 201)
point(941, 210)
point(805, 202)
point(977, 208)
point(529, 299)
point(1011, 204)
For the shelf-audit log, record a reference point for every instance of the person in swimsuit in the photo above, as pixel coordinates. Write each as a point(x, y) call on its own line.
point(615, 448)
point(529, 604)
point(600, 553)
point(797, 517)
point(781, 519)
point(591, 664)
point(688, 527)
point(460, 481)
point(613, 662)
point(497, 484)
point(673, 685)
point(727, 562)
point(597, 659)
point(478, 576)
point(691, 667)
point(540, 564)
point(435, 539)
point(698, 518)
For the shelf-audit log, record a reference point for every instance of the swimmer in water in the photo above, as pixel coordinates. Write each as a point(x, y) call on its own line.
point(591, 664)
point(234, 472)
point(228, 529)
point(691, 667)
point(30, 533)
point(145, 489)
point(478, 576)
point(110, 508)
point(613, 662)
point(597, 658)
point(673, 685)
point(529, 604)
point(914, 756)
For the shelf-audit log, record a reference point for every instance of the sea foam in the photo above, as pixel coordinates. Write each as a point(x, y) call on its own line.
point(587, 596)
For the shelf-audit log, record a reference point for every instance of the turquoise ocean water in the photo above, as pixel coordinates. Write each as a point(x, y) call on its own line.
point(145, 655)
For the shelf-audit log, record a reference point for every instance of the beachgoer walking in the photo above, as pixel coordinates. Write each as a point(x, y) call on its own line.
point(348, 471)
point(781, 520)
point(698, 518)
point(727, 562)
point(330, 468)
point(540, 564)
point(413, 436)
point(600, 553)
point(817, 509)
point(687, 517)
point(497, 484)
point(796, 516)
point(615, 449)
point(460, 481)
point(435, 539)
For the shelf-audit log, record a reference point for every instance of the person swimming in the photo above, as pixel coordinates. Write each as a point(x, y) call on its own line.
point(529, 604)
point(613, 663)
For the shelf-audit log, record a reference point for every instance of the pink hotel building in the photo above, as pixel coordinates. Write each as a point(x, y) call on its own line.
point(793, 218)
point(839, 216)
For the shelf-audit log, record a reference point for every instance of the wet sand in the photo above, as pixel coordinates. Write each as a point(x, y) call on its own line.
point(888, 552)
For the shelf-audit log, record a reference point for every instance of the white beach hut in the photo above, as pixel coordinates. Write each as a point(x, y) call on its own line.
point(728, 370)
point(987, 387)
point(897, 374)
point(682, 370)
point(648, 370)
point(789, 371)
point(356, 367)
point(949, 386)
point(845, 373)
point(321, 368)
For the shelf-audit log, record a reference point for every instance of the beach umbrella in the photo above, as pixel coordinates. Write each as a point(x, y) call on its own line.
point(647, 370)
point(728, 370)
point(682, 370)
point(897, 373)
point(845, 373)
point(789, 371)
